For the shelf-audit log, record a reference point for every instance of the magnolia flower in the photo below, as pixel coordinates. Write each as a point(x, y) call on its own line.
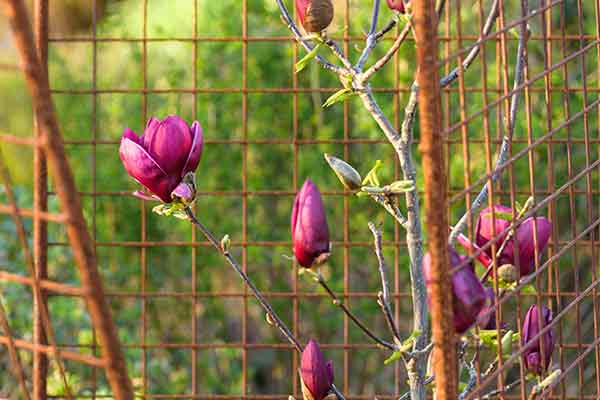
point(485, 231)
point(469, 296)
point(532, 356)
point(310, 233)
point(317, 375)
point(162, 157)
point(315, 15)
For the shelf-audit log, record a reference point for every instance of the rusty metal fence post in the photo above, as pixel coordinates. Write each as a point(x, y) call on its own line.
point(436, 215)
point(40, 200)
point(83, 249)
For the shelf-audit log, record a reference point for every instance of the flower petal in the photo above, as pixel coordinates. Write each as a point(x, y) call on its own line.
point(196, 150)
point(142, 167)
point(169, 142)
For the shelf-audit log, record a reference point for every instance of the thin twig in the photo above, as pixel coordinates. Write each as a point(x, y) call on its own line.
point(391, 208)
point(427, 381)
point(336, 301)
point(257, 294)
point(384, 296)
point(388, 27)
point(371, 37)
point(389, 54)
point(498, 391)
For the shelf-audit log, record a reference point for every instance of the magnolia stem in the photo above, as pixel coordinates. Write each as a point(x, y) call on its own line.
point(261, 299)
point(336, 301)
point(371, 37)
point(384, 296)
point(259, 296)
point(391, 208)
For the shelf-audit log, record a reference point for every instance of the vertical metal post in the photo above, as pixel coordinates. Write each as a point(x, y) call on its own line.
point(40, 203)
point(79, 236)
point(436, 214)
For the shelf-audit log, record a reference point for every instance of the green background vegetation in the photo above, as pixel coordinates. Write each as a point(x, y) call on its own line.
point(114, 217)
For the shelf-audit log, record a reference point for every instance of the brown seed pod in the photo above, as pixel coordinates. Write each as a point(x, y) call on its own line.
point(319, 15)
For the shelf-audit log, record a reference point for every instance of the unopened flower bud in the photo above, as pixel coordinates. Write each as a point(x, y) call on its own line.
point(315, 15)
point(310, 233)
point(316, 373)
point(349, 177)
point(532, 355)
point(508, 273)
point(397, 5)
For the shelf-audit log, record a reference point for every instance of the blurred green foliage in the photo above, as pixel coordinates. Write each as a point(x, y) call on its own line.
point(168, 70)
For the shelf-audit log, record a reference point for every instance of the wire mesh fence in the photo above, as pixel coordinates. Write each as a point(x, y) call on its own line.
point(188, 328)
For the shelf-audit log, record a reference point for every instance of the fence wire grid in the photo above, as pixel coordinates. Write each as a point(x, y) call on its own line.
point(187, 326)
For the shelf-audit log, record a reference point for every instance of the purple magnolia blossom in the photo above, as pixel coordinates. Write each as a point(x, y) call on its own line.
point(469, 295)
point(163, 155)
point(532, 356)
point(317, 375)
point(397, 5)
point(485, 231)
point(310, 233)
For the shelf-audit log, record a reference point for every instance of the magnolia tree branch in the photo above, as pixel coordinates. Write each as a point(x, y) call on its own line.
point(371, 37)
point(274, 318)
point(384, 295)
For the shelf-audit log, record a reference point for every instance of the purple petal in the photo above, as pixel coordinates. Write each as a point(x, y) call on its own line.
point(314, 370)
point(196, 150)
point(301, 8)
point(310, 230)
point(184, 191)
point(131, 135)
point(142, 167)
point(486, 231)
point(169, 142)
point(145, 196)
point(525, 239)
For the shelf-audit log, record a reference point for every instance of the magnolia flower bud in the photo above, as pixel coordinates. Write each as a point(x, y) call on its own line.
point(315, 15)
point(508, 273)
point(524, 235)
point(532, 356)
point(316, 373)
point(397, 5)
point(163, 156)
point(349, 177)
point(310, 233)
point(468, 294)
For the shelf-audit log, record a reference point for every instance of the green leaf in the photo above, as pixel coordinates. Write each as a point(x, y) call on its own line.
point(300, 65)
point(519, 207)
point(371, 178)
point(489, 337)
point(528, 289)
point(338, 96)
point(406, 346)
point(395, 356)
